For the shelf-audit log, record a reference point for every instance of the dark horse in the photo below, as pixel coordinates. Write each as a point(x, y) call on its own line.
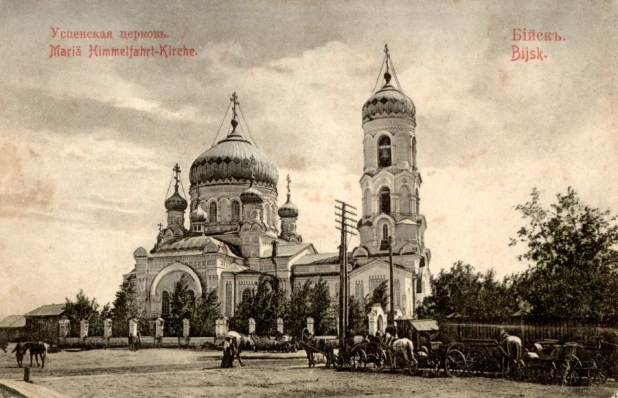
point(313, 345)
point(37, 350)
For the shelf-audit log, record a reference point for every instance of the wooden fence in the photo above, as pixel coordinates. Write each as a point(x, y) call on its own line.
point(531, 331)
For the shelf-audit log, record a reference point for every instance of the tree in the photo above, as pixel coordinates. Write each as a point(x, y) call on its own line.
point(182, 302)
point(572, 270)
point(207, 311)
point(463, 293)
point(358, 322)
point(124, 308)
point(298, 309)
point(83, 309)
point(267, 304)
point(320, 307)
point(378, 296)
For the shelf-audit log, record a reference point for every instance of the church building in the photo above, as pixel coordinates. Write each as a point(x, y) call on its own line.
point(230, 230)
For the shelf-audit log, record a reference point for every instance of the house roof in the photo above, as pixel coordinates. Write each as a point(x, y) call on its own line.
point(47, 310)
point(13, 321)
point(422, 325)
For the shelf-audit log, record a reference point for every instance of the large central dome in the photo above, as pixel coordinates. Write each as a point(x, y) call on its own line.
point(229, 161)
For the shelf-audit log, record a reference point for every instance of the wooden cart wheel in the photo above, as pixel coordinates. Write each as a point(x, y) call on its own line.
point(574, 377)
point(475, 360)
point(455, 363)
point(380, 361)
point(412, 367)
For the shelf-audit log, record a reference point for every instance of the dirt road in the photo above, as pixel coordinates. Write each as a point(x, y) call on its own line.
point(186, 373)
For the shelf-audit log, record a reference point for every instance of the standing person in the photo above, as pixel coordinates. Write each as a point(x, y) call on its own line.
point(226, 361)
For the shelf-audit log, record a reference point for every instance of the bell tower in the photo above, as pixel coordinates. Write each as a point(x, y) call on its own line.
point(391, 181)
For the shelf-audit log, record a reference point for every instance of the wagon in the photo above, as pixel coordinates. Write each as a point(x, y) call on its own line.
point(432, 355)
point(487, 357)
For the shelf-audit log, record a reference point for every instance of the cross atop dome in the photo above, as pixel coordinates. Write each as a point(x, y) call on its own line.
point(387, 76)
point(176, 170)
point(234, 100)
point(289, 181)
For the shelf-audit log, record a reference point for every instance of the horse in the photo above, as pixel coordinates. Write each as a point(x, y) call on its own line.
point(404, 349)
point(313, 346)
point(19, 351)
point(37, 350)
point(514, 350)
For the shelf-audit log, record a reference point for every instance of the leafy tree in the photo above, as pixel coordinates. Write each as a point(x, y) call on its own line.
point(207, 311)
point(572, 272)
point(358, 322)
point(83, 308)
point(267, 304)
point(463, 293)
point(182, 303)
point(320, 307)
point(124, 308)
point(379, 296)
point(298, 310)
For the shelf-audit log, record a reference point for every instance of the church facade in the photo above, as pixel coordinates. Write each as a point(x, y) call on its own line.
point(237, 233)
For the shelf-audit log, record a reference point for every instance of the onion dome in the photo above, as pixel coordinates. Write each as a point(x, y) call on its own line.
point(251, 195)
point(226, 162)
point(289, 209)
point(176, 202)
point(198, 214)
point(389, 101)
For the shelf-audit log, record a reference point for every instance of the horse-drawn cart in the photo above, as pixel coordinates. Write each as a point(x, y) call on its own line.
point(432, 355)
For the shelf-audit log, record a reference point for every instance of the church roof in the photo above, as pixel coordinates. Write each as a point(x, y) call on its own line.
point(13, 321)
point(317, 259)
point(286, 250)
point(47, 310)
point(193, 243)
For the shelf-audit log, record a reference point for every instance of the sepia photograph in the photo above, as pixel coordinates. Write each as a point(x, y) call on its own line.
point(268, 198)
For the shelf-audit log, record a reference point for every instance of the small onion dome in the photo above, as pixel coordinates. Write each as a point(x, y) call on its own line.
point(226, 162)
point(288, 210)
point(251, 195)
point(176, 203)
point(198, 214)
point(388, 102)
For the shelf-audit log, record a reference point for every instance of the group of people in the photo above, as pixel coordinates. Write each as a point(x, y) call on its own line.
point(231, 350)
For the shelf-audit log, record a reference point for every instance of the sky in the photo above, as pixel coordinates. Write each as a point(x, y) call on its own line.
point(88, 144)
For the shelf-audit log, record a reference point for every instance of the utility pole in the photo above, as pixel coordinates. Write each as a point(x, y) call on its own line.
point(391, 315)
point(346, 224)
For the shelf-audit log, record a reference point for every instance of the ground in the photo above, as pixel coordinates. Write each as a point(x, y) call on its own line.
point(188, 373)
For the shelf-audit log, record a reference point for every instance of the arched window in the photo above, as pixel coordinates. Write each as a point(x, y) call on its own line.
point(385, 200)
point(367, 202)
point(406, 201)
point(384, 152)
point(165, 305)
point(213, 212)
point(235, 211)
point(246, 294)
point(417, 199)
point(385, 234)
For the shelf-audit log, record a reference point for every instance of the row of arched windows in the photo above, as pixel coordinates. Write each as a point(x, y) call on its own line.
point(213, 212)
point(408, 203)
